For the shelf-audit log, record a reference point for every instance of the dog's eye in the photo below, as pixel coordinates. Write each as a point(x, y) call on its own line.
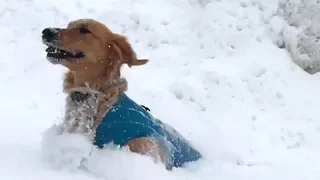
point(84, 30)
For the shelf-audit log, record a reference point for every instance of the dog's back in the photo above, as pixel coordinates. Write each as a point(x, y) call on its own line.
point(127, 120)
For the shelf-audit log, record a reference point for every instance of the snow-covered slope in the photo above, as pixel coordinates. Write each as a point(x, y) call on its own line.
point(214, 74)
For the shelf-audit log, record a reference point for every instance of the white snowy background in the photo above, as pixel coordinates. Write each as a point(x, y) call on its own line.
point(215, 74)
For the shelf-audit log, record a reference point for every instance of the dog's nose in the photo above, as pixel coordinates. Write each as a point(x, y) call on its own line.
point(49, 34)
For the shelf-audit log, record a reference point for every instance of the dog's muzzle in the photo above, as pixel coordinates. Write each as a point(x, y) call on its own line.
point(50, 34)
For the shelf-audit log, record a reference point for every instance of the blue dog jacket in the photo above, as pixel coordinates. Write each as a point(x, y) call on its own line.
point(127, 120)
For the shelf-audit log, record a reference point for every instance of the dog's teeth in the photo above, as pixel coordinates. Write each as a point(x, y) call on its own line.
point(56, 51)
point(50, 49)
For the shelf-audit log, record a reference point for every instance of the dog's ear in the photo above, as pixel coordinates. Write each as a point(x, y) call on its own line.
point(125, 51)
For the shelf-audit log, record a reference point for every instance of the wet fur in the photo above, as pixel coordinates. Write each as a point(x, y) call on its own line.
point(84, 118)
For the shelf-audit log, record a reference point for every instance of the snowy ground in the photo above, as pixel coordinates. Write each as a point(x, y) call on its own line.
point(241, 100)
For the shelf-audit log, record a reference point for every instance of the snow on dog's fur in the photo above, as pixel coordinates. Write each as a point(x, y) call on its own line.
point(94, 55)
point(84, 117)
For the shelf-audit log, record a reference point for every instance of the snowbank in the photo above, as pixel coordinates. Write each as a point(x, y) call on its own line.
point(300, 34)
point(239, 98)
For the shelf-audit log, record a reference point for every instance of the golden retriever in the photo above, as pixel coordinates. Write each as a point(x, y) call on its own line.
point(94, 56)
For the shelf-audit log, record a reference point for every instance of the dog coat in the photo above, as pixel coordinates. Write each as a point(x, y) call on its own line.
point(127, 120)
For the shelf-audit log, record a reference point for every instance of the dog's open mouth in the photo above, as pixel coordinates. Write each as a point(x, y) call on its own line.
point(55, 54)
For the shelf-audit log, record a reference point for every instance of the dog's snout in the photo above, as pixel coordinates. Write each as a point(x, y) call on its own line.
point(49, 34)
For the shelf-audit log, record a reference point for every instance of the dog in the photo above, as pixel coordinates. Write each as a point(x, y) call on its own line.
point(96, 103)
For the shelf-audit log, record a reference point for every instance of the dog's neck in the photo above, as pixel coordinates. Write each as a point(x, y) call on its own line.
point(79, 97)
point(90, 76)
point(81, 78)
point(86, 76)
point(101, 85)
point(87, 105)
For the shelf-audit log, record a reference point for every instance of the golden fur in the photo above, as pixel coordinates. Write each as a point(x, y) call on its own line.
point(98, 72)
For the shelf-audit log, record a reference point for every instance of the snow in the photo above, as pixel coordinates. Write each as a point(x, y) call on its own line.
point(215, 74)
point(301, 32)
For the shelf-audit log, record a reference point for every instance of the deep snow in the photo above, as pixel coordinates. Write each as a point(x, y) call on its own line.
point(215, 74)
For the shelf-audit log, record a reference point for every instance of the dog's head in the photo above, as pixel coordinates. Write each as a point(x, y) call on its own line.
point(88, 44)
